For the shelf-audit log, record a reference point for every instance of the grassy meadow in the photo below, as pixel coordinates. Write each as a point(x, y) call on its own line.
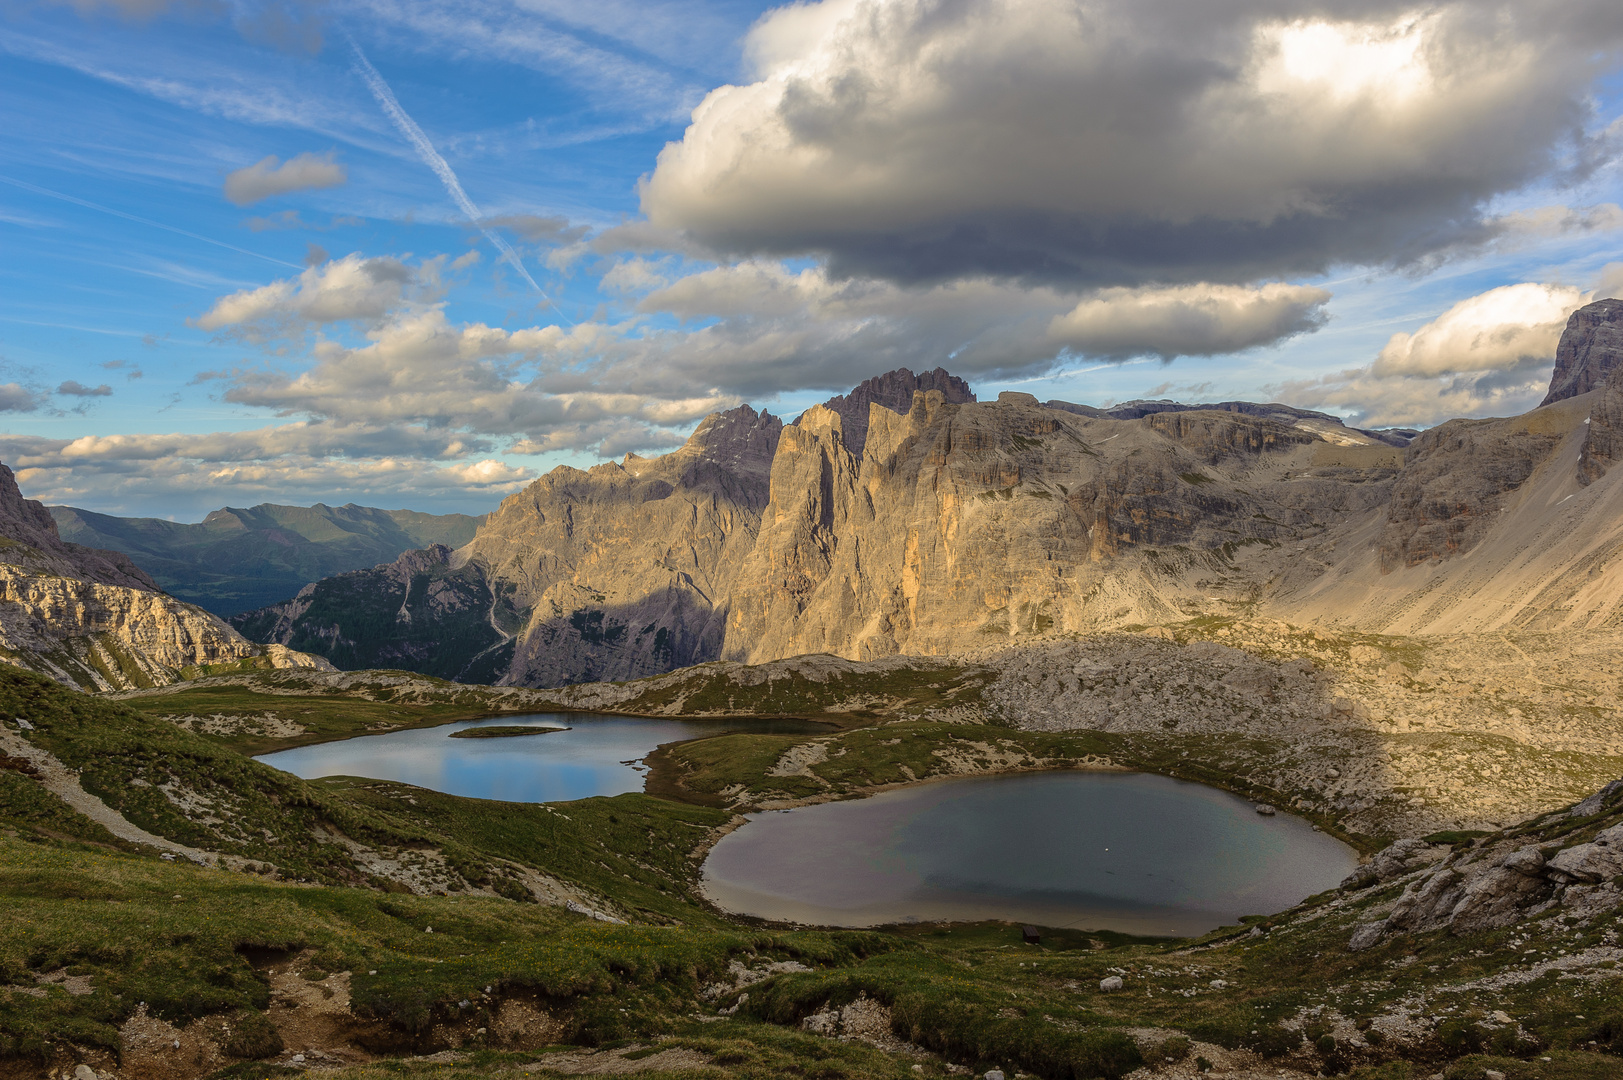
point(97, 931)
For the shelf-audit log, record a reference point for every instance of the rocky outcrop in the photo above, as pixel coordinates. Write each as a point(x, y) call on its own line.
point(1394, 861)
point(1591, 349)
point(893, 390)
point(1568, 860)
point(418, 613)
point(1454, 483)
point(91, 619)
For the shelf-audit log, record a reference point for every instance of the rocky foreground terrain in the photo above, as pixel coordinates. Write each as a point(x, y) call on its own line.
point(92, 619)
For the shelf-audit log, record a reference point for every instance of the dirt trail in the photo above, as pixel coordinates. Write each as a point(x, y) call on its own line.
point(63, 782)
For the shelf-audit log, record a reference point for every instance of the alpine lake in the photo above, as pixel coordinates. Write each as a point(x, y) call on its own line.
point(1129, 852)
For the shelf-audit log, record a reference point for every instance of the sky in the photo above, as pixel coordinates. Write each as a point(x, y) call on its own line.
point(417, 254)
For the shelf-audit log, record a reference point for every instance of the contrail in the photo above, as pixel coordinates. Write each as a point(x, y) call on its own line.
point(431, 157)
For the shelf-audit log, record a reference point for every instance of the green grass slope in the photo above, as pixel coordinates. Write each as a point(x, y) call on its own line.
point(99, 935)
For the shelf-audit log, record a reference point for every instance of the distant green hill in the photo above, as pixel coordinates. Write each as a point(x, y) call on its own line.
point(237, 560)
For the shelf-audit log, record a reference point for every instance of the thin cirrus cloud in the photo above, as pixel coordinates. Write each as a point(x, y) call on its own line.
point(1126, 142)
point(271, 176)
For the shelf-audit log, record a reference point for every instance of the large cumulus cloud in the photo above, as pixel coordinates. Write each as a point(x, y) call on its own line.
point(1488, 354)
point(1115, 142)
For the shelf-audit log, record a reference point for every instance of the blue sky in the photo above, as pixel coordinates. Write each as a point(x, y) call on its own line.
point(168, 349)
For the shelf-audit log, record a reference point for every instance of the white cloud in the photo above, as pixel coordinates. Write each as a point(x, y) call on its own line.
point(1116, 142)
point(353, 288)
point(1492, 331)
point(1489, 354)
point(270, 176)
point(1188, 320)
point(14, 397)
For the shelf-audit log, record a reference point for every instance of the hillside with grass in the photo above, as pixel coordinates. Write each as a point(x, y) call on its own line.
point(375, 929)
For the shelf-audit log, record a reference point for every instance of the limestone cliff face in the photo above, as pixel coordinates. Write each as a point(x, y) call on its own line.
point(965, 524)
point(1603, 441)
point(91, 619)
point(1455, 481)
point(624, 569)
point(893, 390)
point(1591, 349)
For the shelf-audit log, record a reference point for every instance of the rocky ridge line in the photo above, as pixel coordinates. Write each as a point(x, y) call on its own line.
point(91, 619)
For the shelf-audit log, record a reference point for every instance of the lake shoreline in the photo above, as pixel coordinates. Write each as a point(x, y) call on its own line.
point(1190, 858)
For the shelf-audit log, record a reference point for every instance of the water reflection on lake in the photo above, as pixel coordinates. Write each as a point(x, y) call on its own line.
point(1132, 852)
point(598, 755)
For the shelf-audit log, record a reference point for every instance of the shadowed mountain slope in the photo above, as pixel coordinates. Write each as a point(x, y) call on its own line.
point(240, 559)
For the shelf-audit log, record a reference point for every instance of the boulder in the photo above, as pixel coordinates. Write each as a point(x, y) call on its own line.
point(1366, 936)
point(1599, 860)
point(1110, 984)
point(1495, 898)
point(1528, 860)
point(1393, 861)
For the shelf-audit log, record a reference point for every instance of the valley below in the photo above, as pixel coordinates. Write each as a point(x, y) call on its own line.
point(1391, 659)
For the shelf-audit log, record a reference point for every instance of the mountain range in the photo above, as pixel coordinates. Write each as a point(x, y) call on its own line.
point(239, 559)
point(92, 619)
point(908, 517)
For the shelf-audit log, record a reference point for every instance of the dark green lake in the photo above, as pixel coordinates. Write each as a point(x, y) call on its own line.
point(1131, 852)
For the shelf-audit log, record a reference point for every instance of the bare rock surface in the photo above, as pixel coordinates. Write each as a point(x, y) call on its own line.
point(964, 524)
point(1591, 349)
point(623, 570)
point(1501, 880)
point(1455, 481)
point(893, 390)
point(91, 619)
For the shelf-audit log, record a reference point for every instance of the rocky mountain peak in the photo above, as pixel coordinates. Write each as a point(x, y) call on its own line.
point(1591, 349)
point(740, 440)
point(25, 520)
point(894, 390)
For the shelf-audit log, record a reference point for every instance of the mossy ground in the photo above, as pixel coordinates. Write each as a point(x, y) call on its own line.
point(323, 715)
point(182, 938)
